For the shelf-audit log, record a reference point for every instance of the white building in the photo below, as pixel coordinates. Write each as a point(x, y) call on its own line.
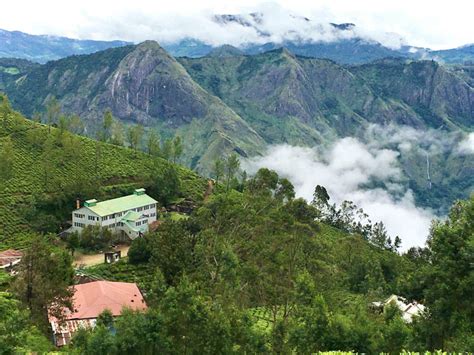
point(408, 310)
point(129, 215)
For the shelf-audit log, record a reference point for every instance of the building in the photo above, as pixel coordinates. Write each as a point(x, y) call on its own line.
point(128, 215)
point(408, 310)
point(91, 299)
point(9, 258)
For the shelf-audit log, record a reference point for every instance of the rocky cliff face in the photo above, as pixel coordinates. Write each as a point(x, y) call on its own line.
point(230, 102)
point(333, 99)
point(141, 84)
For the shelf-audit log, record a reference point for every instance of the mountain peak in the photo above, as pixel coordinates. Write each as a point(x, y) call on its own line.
point(225, 51)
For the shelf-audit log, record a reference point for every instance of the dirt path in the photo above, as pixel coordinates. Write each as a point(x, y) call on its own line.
point(85, 260)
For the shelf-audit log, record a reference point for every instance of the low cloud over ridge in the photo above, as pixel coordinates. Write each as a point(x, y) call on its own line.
point(346, 168)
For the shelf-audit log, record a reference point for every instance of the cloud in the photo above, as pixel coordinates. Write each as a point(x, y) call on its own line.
point(346, 168)
point(171, 20)
point(466, 146)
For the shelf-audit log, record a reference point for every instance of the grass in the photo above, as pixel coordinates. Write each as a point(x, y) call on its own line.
point(116, 170)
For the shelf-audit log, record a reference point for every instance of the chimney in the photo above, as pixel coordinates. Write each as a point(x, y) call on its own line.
point(78, 204)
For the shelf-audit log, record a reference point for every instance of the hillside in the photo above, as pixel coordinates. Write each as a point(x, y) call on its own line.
point(230, 102)
point(57, 167)
point(139, 84)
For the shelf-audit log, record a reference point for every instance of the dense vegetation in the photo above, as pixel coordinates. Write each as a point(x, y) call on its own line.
point(255, 270)
point(252, 270)
point(44, 170)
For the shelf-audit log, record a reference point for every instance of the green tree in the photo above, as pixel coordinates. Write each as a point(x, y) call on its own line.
point(232, 165)
point(117, 137)
point(139, 251)
point(106, 319)
point(106, 130)
point(73, 242)
point(17, 333)
point(44, 276)
point(135, 134)
point(450, 278)
point(153, 144)
point(177, 148)
point(218, 170)
point(167, 149)
point(53, 110)
point(164, 183)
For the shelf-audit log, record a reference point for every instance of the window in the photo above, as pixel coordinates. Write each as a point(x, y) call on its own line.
point(79, 215)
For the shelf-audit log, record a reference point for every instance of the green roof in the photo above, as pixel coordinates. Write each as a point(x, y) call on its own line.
point(131, 216)
point(121, 204)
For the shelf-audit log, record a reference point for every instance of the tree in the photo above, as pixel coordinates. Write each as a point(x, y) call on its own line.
point(320, 196)
point(167, 149)
point(164, 184)
point(17, 333)
point(153, 144)
point(44, 275)
point(106, 319)
point(135, 133)
point(7, 154)
point(172, 250)
point(117, 133)
point(218, 170)
point(232, 165)
point(94, 237)
point(53, 110)
point(450, 279)
point(107, 123)
point(76, 125)
point(177, 148)
point(139, 251)
point(73, 242)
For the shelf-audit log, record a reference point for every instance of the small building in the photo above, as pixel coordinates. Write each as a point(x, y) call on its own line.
point(9, 258)
point(128, 215)
point(111, 257)
point(91, 299)
point(408, 310)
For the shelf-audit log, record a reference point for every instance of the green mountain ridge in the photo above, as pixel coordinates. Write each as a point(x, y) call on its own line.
point(230, 102)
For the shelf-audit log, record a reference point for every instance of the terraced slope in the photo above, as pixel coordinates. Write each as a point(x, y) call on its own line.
point(45, 164)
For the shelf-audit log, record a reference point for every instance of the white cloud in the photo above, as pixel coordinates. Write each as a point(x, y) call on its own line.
point(344, 168)
point(466, 146)
point(420, 23)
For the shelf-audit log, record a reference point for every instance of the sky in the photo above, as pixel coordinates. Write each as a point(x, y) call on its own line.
point(436, 24)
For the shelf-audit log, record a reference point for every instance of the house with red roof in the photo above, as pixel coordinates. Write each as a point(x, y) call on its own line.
point(91, 299)
point(10, 258)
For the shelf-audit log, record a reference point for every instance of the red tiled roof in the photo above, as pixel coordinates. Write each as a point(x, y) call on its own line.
point(92, 298)
point(9, 256)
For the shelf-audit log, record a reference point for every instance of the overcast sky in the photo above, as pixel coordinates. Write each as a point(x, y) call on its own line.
point(436, 24)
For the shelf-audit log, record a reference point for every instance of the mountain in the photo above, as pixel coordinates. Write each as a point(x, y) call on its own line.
point(230, 102)
point(464, 54)
point(141, 84)
point(43, 48)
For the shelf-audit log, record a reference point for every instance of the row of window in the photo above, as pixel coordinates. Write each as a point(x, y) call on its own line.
point(119, 214)
point(77, 224)
point(79, 215)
